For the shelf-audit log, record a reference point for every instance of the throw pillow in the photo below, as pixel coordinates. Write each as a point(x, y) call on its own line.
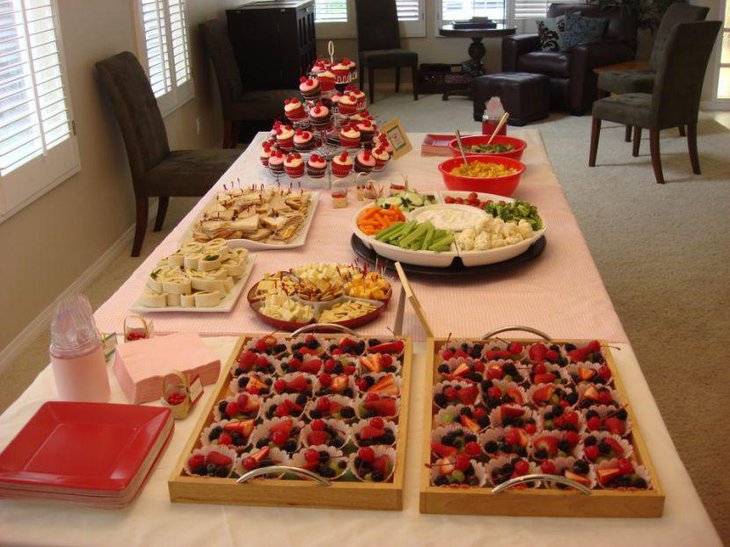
point(583, 30)
point(551, 33)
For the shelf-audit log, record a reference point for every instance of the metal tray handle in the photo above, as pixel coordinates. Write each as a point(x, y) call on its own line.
point(518, 328)
point(278, 469)
point(330, 326)
point(541, 477)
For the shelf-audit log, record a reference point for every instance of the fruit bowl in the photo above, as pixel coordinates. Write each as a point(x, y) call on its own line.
point(504, 186)
point(472, 140)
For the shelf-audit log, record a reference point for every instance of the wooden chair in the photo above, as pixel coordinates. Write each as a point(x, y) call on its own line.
point(642, 81)
point(378, 43)
point(156, 170)
point(675, 98)
point(238, 105)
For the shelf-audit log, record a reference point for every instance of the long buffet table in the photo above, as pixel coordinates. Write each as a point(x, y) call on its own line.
point(560, 292)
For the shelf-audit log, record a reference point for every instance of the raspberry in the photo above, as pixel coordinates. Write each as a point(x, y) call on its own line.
point(530, 429)
point(262, 361)
point(279, 437)
point(386, 360)
point(472, 448)
point(451, 393)
point(325, 380)
point(231, 409)
point(318, 437)
point(522, 467)
point(225, 438)
point(604, 372)
point(540, 368)
point(249, 463)
point(604, 397)
point(366, 454)
point(216, 458)
point(312, 456)
point(548, 467)
point(377, 422)
point(572, 437)
point(594, 424)
point(280, 385)
point(591, 452)
point(494, 392)
point(323, 404)
point(625, 466)
point(261, 345)
point(196, 461)
point(318, 425)
point(248, 357)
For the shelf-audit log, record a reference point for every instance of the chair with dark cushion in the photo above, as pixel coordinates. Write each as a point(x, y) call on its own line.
point(238, 105)
point(675, 98)
point(642, 81)
point(572, 81)
point(378, 43)
point(156, 170)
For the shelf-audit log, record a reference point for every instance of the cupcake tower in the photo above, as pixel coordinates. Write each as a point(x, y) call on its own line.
point(504, 409)
point(328, 405)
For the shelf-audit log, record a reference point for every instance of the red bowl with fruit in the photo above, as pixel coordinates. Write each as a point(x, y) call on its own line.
point(503, 185)
point(473, 143)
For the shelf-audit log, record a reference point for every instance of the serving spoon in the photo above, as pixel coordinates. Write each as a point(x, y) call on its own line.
point(502, 121)
point(461, 147)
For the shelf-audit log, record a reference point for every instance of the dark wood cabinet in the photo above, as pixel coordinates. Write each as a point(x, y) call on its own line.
point(274, 42)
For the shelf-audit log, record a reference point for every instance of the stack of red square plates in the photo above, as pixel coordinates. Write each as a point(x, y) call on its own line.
point(96, 454)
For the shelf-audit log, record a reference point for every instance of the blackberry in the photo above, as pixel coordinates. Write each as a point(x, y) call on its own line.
point(569, 347)
point(359, 348)
point(324, 456)
point(474, 376)
point(493, 402)
point(348, 392)
point(486, 384)
point(491, 447)
point(475, 353)
point(373, 342)
point(370, 381)
point(222, 406)
point(280, 348)
point(622, 482)
point(337, 442)
point(603, 448)
point(377, 476)
point(290, 445)
point(242, 382)
point(449, 438)
point(622, 414)
point(479, 347)
point(338, 368)
point(590, 440)
point(466, 411)
point(312, 344)
point(346, 413)
point(510, 368)
point(557, 410)
point(211, 469)
point(297, 355)
point(222, 472)
point(200, 470)
point(564, 446)
point(441, 480)
point(549, 415)
point(590, 414)
point(541, 454)
point(215, 433)
point(440, 399)
point(483, 421)
point(639, 483)
point(580, 467)
point(555, 348)
point(297, 346)
point(562, 361)
point(268, 381)
point(285, 366)
point(262, 443)
point(327, 472)
point(301, 399)
point(508, 420)
point(465, 346)
point(237, 439)
point(508, 469)
point(469, 437)
point(443, 369)
point(342, 464)
point(388, 438)
point(572, 398)
point(315, 414)
point(238, 371)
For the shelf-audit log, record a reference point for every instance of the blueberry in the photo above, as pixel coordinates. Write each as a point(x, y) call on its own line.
point(315, 414)
point(622, 414)
point(555, 348)
point(348, 392)
point(238, 371)
point(580, 467)
point(327, 472)
point(639, 483)
point(541, 454)
point(342, 464)
point(603, 448)
point(337, 442)
point(377, 476)
point(483, 421)
point(475, 353)
point(569, 347)
point(346, 413)
point(466, 411)
point(211, 469)
point(242, 382)
point(440, 400)
point(285, 366)
point(557, 410)
point(215, 433)
point(549, 415)
point(338, 368)
point(268, 381)
point(297, 355)
point(443, 369)
point(590, 440)
point(373, 342)
point(222, 406)
point(262, 443)
point(324, 456)
point(290, 445)
point(572, 398)
point(222, 472)
point(301, 399)
point(200, 470)
point(441, 480)
point(564, 446)
point(313, 344)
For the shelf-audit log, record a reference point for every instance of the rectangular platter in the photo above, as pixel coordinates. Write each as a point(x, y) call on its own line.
point(349, 493)
point(461, 500)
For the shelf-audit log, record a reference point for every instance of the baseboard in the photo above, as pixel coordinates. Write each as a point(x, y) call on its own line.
point(43, 320)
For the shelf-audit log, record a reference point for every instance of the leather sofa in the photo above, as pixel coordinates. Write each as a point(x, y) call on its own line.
point(572, 81)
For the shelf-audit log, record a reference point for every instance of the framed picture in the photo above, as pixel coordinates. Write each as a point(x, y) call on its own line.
point(398, 138)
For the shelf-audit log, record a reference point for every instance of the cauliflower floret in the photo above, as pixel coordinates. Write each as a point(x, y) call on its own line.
point(469, 233)
point(465, 243)
point(509, 229)
point(484, 224)
point(525, 229)
point(496, 226)
point(511, 240)
point(482, 241)
point(496, 244)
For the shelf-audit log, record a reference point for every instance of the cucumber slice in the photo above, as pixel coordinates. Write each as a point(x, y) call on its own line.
point(415, 198)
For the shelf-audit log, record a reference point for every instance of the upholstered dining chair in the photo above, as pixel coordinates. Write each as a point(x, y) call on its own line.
point(642, 81)
point(675, 98)
point(237, 104)
point(156, 170)
point(378, 43)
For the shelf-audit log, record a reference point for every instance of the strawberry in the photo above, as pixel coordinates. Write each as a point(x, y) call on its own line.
point(614, 444)
point(318, 437)
point(325, 380)
point(591, 452)
point(231, 409)
point(495, 354)
point(339, 383)
point(515, 348)
point(386, 386)
point(462, 369)
point(540, 368)
point(370, 363)
point(382, 465)
point(521, 467)
point(547, 378)
point(571, 419)
point(543, 394)
point(382, 407)
point(448, 354)
point(512, 437)
point(225, 438)
point(625, 466)
point(604, 397)
point(495, 372)
point(366, 454)
point(299, 384)
point(537, 352)
point(216, 458)
point(196, 460)
point(311, 366)
point(389, 347)
point(577, 478)
point(323, 404)
point(370, 432)
point(605, 373)
point(548, 467)
point(478, 413)
point(591, 393)
point(594, 423)
point(248, 357)
point(510, 411)
point(550, 444)
point(472, 449)
point(593, 346)
point(494, 392)
point(442, 450)
point(284, 425)
point(470, 424)
point(586, 373)
point(530, 429)
point(377, 422)
point(552, 355)
point(516, 396)
point(280, 385)
point(468, 395)
point(260, 455)
point(451, 393)
point(463, 461)
point(572, 437)
point(278, 437)
point(607, 475)
point(615, 426)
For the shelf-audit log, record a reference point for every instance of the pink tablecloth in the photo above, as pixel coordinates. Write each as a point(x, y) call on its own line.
point(560, 292)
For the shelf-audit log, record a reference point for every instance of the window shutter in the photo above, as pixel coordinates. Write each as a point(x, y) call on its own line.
point(330, 11)
point(530, 9)
point(156, 48)
point(408, 10)
point(460, 10)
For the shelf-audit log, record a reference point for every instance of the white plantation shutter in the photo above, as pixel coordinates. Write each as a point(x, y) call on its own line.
point(530, 9)
point(460, 10)
point(164, 35)
point(330, 11)
point(412, 17)
point(408, 10)
point(37, 144)
point(336, 18)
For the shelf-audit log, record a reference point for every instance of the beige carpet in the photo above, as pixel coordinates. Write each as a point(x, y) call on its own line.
point(663, 252)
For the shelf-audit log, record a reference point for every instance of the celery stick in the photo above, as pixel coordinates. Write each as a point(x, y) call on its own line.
point(415, 235)
point(429, 237)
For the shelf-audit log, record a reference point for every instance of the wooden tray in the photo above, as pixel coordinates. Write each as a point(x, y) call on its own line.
point(292, 493)
point(538, 502)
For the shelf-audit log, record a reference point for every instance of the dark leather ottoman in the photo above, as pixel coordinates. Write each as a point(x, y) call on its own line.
point(524, 95)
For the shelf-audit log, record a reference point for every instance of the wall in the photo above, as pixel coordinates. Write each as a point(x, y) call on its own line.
point(48, 244)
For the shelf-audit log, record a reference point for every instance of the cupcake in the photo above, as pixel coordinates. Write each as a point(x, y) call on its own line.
point(347, 104)
point(265, 155)
point(381, 140)
point(364, 162)
point(316, 166)
point(303, 140)
point(334, 99)
point(276, 162)
point(320, 116)
point(350, 137)
point(294, 110)
point(381, 158)
point(367, 131)
point(285, 137)
point(360, 116)
point(294, 165)
point(359, 96)
point(341, 71)
point(309, 88)
point(326, 80)
point(341, 165)
point(277, 125)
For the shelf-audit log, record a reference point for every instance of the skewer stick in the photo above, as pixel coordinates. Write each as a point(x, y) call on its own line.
point(413, 299)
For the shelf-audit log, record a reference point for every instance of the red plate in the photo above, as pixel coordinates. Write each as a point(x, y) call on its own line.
point(82, 446)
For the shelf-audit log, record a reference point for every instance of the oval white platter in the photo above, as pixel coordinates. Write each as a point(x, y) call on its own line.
point(444, 260)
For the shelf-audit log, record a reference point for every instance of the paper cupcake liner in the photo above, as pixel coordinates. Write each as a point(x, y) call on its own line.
point(263, 430)
point(544, 410)
point(234, 386)
point(204, 451)
point(379, 450)
point(218, 415)
point(504, 386)
point(275, 457)
point(277, 400)
point(585, 403)
point(302, 338)
point(603, 412)
point(532, 389)
point(298, 459)
point(377, 376)
point(479, 472)
point(496, 463)
point(270, 368)
point(344, 360)
point(291, 377)
point(576, 451)
point(341, 428)
point(497, 434)
point(640, 470)
point(387, 424)
point(439, 389)
point(562, 464)
point(572, 369)
point(345, 401)
point(626, 445)
point(205, 434)
point(281, 371)
point(251, 345)
point(396, 367)
point(477, 368)
point(450, 415)
point(560, 380)
point(359, 408)
point(495, 416)
point(319, 388)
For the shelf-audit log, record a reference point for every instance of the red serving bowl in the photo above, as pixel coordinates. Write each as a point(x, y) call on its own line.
point(471, 140)
point(504, 186)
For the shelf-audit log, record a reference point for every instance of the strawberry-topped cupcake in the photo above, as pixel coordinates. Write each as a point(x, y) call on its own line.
point(316, 166)
point(303, 140)
point(375, 431)
point(359, 96)
point(341, 71)
point(341, 165)
point(326, 80)
point(294, 109)
point(347, 104)
point(294, 165)
point(277, 125)
point(357, 117)
point(350, 137)
point(319, 66)
point(381, 140)
point(320, 116)
point(364, 162)
point(333, 100)
point(367, 131)
point(310, 88)
point(285, 137)
point(276, 162)
point(265, 154)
